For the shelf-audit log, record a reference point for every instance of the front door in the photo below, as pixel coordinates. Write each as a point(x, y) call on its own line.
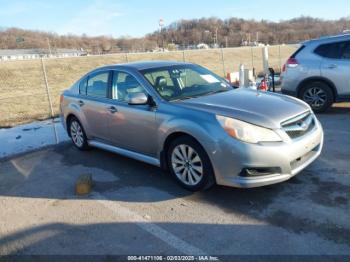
point(131, 126)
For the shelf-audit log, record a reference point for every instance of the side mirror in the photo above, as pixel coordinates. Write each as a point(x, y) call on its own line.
point(137, 99)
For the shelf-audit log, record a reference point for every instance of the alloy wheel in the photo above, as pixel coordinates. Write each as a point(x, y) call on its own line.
point(315, 96)
point(77, 134)
point(187, 165)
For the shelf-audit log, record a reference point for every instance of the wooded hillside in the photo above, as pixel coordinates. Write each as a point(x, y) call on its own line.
point(184, 33)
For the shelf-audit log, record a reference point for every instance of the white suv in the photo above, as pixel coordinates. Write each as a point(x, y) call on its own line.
point(319, 72)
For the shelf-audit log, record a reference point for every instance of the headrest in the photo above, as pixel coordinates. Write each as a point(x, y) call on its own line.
point(160, 82)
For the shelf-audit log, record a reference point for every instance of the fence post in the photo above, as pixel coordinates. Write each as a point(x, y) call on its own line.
point(279, 57)
point(265, 57)
point(252, 57)
point(241, 76)
point(126, 57)
point(223, 61)
point(183, 55)
point(49, 98)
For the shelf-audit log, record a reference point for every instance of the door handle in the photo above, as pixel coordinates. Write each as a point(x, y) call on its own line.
point(332, 66)
point(81, 102)
point(112, 109)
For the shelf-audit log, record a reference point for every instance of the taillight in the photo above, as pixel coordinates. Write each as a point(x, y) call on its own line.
point(291, 62)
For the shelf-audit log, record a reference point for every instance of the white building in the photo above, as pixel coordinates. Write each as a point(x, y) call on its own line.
point(23, 54)
point(202, 46)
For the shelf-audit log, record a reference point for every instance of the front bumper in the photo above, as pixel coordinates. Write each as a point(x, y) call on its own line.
point(231, 156)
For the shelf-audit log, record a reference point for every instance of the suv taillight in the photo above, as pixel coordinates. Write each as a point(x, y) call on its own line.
point(291, 62)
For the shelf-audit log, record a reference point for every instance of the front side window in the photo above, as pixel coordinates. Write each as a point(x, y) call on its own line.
point(123, 85)
point(97, 85)
point(182, 82)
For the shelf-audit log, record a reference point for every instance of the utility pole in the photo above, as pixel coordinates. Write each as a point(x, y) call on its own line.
point(48, 43)
point(161, 24)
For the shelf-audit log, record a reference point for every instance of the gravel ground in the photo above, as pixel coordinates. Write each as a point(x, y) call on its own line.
point(136, 208)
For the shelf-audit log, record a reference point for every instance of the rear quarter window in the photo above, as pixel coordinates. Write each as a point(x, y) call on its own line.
point(298, 51)
point(82, 86)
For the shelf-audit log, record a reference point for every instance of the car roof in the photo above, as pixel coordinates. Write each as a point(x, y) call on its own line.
point(328, 39)
point(141, 65)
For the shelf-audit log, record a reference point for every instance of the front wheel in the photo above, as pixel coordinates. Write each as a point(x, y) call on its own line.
point(190, 165)
point(318, 95)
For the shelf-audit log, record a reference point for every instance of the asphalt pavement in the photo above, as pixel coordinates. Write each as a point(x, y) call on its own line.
point(136, 208)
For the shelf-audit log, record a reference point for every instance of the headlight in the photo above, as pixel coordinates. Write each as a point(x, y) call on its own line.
point(247, 132)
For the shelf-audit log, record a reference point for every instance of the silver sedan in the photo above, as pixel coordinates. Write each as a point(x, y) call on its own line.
point(191, 122)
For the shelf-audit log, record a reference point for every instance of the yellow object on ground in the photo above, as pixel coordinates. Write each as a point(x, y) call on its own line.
point(83, 185)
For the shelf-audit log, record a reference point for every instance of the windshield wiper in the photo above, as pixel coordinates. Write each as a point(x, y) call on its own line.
point(199, 95)
point(181, 98)
point(214, 92)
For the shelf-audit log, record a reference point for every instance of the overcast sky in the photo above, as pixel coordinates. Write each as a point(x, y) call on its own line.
point(137, 17)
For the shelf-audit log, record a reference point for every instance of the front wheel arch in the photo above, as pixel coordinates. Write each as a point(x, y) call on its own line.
point(209, 179)
point(167, 142)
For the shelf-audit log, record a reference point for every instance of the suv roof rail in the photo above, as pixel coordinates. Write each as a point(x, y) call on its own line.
point(345, 33)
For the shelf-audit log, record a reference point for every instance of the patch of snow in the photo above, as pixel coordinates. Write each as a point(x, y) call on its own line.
point(31, 136)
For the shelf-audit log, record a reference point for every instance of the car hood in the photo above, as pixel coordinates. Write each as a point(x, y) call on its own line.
point(260, 108)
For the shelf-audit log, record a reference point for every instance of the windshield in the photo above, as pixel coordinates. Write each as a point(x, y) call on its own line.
point(184, 81)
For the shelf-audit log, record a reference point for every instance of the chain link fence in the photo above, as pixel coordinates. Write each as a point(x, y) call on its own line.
point(26, 93)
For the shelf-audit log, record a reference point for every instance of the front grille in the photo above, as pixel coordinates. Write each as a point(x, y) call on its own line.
point(299, 126)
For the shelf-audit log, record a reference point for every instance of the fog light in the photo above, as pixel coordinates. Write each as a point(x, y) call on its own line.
point(259, 171)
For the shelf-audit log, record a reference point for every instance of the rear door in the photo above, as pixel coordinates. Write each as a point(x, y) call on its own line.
point(93, 101)
point(336, 65)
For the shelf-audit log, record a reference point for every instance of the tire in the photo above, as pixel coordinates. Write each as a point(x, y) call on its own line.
point(318, 95)
point(77, 134)
point(189, 164)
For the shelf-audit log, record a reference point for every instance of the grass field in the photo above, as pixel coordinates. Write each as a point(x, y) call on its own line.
point(23, 96)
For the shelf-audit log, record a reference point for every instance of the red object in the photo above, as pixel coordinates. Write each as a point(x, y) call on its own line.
point(232, 81)
point(263, 85)
point(291, 62)
point(228, 77)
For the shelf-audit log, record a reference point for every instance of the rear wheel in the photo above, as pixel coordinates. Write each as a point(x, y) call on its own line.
point(318, 95)
point(77, 134)
point(189, 164)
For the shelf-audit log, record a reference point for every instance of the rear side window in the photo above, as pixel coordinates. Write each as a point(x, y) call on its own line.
point(346, 52)
point(340, 50)
point(97, 85)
